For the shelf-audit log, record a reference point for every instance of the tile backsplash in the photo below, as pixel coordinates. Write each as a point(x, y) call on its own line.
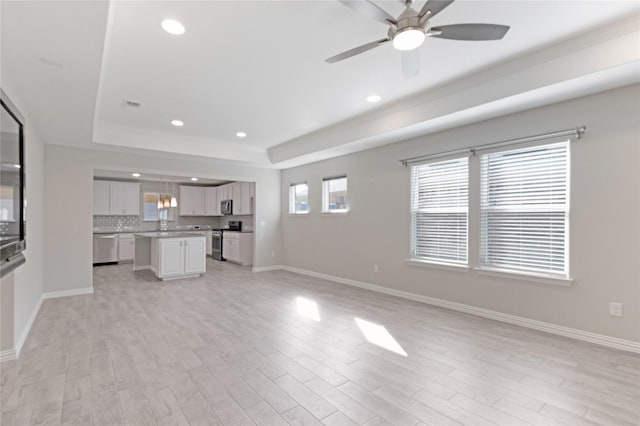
point(114, 221)
point(103, 221)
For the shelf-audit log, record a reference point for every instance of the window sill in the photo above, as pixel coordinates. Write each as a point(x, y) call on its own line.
point(525, 276)
point(334, 213)
point(298, 214)
point(437, 265)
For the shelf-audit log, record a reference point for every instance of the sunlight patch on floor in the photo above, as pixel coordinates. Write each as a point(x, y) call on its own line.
point(379, 336)
point(307, 308)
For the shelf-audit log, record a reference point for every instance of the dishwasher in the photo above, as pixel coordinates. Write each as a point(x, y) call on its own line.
point(105, 248)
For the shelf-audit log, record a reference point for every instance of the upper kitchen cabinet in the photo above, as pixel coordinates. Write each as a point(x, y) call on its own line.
point(100, 197)
point(242, 198)
point(211, 204)
point(124, 199)
point(224, 192)
point(191, 201)
point(199, 201)
point(116, 198)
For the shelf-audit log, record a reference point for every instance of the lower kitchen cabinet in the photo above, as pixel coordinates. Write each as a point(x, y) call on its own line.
point(179, 257)
point(126, 247)
point(237, 247)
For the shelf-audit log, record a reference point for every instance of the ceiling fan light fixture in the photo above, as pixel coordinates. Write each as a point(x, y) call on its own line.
point(409, 38)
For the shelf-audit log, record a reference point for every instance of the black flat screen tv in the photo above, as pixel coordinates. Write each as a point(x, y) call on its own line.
point(13, 200)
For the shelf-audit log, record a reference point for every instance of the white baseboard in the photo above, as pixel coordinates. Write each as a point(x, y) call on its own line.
point(11, 354)
point(587, 336)
point(65, 293)
point(8, 355)
point(266, 268)
point(27, 327)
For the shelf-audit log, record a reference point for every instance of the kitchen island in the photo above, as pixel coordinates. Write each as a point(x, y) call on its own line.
point(170, 255)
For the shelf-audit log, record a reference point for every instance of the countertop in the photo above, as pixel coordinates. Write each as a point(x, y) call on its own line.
point(138, 229)
point(166, 235)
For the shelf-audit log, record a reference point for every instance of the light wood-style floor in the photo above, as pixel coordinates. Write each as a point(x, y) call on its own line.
point(233, 348)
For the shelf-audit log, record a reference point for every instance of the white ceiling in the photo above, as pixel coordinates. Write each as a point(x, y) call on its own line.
point(121, 175)
point(255, 66)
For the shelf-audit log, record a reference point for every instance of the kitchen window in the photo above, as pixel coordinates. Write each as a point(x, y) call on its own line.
point(524, 210)
point(440, 211)
point(334, 195)
point(299, 198)
point(155, 207)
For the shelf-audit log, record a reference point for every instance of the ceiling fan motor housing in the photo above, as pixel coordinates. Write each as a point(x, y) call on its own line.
point(408, 21)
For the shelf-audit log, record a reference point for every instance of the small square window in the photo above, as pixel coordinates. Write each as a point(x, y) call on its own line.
point(299, 198)
point(334, 195)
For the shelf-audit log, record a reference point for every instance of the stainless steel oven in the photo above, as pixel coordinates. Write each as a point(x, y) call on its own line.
point(216, 245)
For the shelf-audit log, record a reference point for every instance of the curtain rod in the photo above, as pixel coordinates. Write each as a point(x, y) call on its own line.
point(577, 132)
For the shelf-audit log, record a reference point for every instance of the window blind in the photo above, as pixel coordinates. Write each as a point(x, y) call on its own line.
point(524, 208)
point(440, 210)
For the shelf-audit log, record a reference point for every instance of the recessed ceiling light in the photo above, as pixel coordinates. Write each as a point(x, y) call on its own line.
point(194, 179)
point(373, 98)
point(241, 134)
point(172, 26)
point(177, 123)
point(135, 174)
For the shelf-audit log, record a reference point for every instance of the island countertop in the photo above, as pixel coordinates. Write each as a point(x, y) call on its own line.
point(167, 235)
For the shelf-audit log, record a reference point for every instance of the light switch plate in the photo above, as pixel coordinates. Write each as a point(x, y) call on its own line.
point(615, 309)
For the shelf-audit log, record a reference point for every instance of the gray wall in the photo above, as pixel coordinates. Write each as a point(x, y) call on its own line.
point(604, 225)
point(24, 286)
point(69, 195)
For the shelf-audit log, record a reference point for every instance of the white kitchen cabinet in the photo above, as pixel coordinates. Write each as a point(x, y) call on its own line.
point(124, 199)
point(209, 236)
point(171, 257)
point(191, 201)
point(100, 197)
point(209, 241)
point(237, 247)
point(195, 255)
point(242, 198)
point(224, 192)
point(199, 201)
point(126, 247)
point(211, 204)
point(180, 257)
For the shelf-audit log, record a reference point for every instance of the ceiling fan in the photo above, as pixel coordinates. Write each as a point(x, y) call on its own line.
point(408, 31)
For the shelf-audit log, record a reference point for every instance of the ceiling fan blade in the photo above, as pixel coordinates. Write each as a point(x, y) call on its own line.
point(371, 10)
point(435, 6)
point(410, 63)
point(471, 32)
point(356, 50)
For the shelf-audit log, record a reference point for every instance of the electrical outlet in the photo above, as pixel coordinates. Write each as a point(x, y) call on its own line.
point(615, 309)
point(376, 268)
point(273, 254)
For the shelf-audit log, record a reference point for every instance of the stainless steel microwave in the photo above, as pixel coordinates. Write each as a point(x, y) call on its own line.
point(226, 207)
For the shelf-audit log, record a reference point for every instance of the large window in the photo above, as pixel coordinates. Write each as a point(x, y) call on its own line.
point(334, 195)
point(298, 198)
point(440, 210)
point(524, 209)
point(157, 207)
